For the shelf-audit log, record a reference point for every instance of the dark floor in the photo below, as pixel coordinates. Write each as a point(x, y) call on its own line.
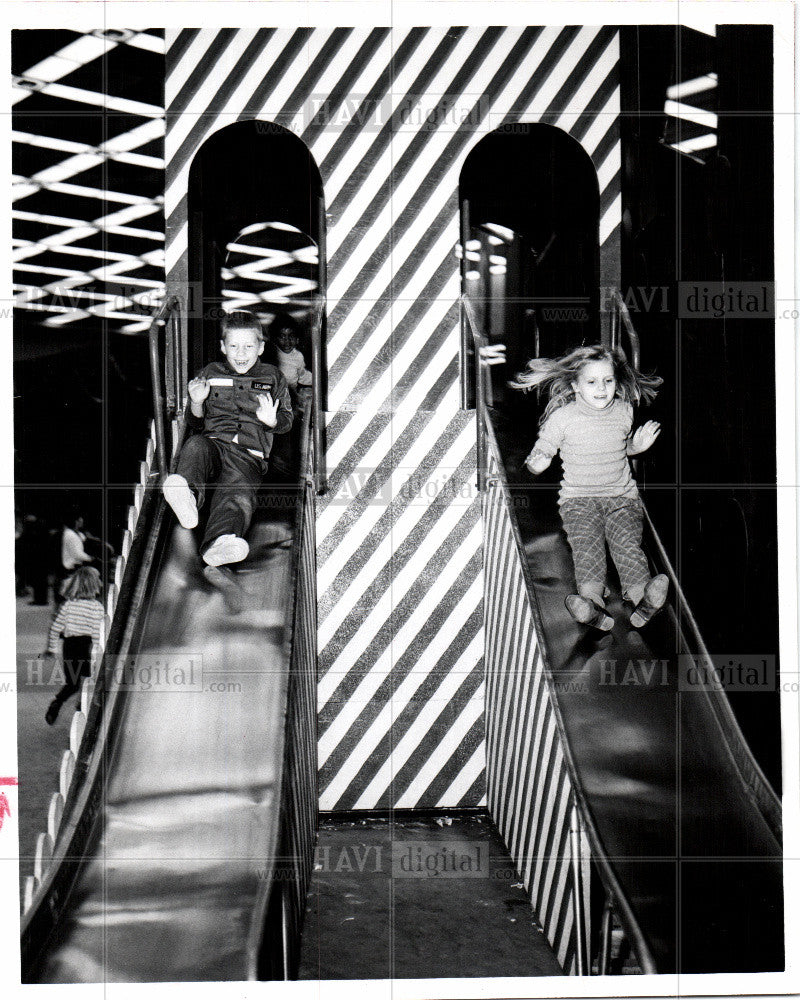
point(418, 899)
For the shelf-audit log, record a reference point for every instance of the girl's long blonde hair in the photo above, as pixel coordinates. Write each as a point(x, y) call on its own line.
point(556, 376)
point(83, 585)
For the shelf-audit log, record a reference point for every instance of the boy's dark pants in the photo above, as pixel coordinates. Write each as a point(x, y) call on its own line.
point(77, 652)
point(233, 474)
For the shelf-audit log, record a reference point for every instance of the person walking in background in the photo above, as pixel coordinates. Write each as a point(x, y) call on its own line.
point(78, 621)
point(73, 554)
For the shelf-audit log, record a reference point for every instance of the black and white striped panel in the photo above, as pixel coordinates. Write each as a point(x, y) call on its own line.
point(400, 634)
point(390, 116)
point(528, 786)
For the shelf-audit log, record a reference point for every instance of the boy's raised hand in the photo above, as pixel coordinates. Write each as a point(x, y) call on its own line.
point(267, 411)
point(644, 437)
point(199, 388)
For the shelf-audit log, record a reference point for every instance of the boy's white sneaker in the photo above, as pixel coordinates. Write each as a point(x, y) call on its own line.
point(179, 496)
point(226, 549)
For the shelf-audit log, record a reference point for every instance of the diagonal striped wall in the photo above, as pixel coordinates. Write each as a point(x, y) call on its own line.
point(529, 791)
point(390, 116)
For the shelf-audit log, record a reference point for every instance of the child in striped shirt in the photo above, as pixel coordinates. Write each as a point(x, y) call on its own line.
point(589, 420)
point(78, 621)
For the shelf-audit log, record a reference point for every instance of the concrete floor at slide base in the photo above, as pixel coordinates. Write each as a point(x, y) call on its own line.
point(432, 898)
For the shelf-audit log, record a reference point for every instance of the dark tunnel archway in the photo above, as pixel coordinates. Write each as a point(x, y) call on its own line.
point(251, 172)
point(530, 220)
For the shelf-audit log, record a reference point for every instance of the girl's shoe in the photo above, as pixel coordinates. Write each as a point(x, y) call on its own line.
point(53, 709)
point(586, 612)
point(226, 549)
point(179, 496)
point(654, 599)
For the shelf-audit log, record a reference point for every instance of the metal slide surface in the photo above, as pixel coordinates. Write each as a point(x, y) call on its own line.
point(176, 869)
point(681, 822)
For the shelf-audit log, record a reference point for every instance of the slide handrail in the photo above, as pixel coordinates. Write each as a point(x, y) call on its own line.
point(752, 776)
point(318, 395)
point(169, 313)
point(83, 805)
point(484, 357)
point(621, 318)
point(278, 914)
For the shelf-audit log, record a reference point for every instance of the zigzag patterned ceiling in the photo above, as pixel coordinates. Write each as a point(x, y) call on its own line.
point(691, 100)
point(270, 264)
point(88, 185)
point(88, 173)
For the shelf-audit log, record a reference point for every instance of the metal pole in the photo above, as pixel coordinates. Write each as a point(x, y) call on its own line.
point(466, 339)
point(478, 342)
point(577, 890)
point(480, 416)
point(178, 355)
point(318, 427)
point(604, 959)
point(158, 400)
point(614, 320)
point(319, 374)
point(285, 932)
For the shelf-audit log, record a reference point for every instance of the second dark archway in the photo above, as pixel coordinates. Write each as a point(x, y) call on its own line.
point(530, 208)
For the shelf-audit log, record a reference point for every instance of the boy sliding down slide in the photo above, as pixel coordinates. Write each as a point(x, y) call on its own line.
point(238, 404)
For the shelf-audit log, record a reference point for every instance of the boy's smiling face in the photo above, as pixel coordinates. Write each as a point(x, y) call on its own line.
point(242, 349)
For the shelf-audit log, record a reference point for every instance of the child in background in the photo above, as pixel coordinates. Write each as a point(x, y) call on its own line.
point(78, 621)
point(589, 420)
point(290, 361)
point(292, 364)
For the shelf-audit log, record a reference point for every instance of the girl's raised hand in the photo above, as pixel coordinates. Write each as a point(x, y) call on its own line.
point(537, 462)
point(644, 437)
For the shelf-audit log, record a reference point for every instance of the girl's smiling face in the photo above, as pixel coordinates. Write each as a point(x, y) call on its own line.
point(596, 384)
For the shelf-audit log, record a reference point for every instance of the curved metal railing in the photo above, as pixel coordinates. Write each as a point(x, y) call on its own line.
point(61, 852)
point(491, 477)
point(750, 772)
point(751, 780)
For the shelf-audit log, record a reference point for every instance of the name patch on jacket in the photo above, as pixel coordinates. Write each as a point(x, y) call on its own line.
point(266, 386)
